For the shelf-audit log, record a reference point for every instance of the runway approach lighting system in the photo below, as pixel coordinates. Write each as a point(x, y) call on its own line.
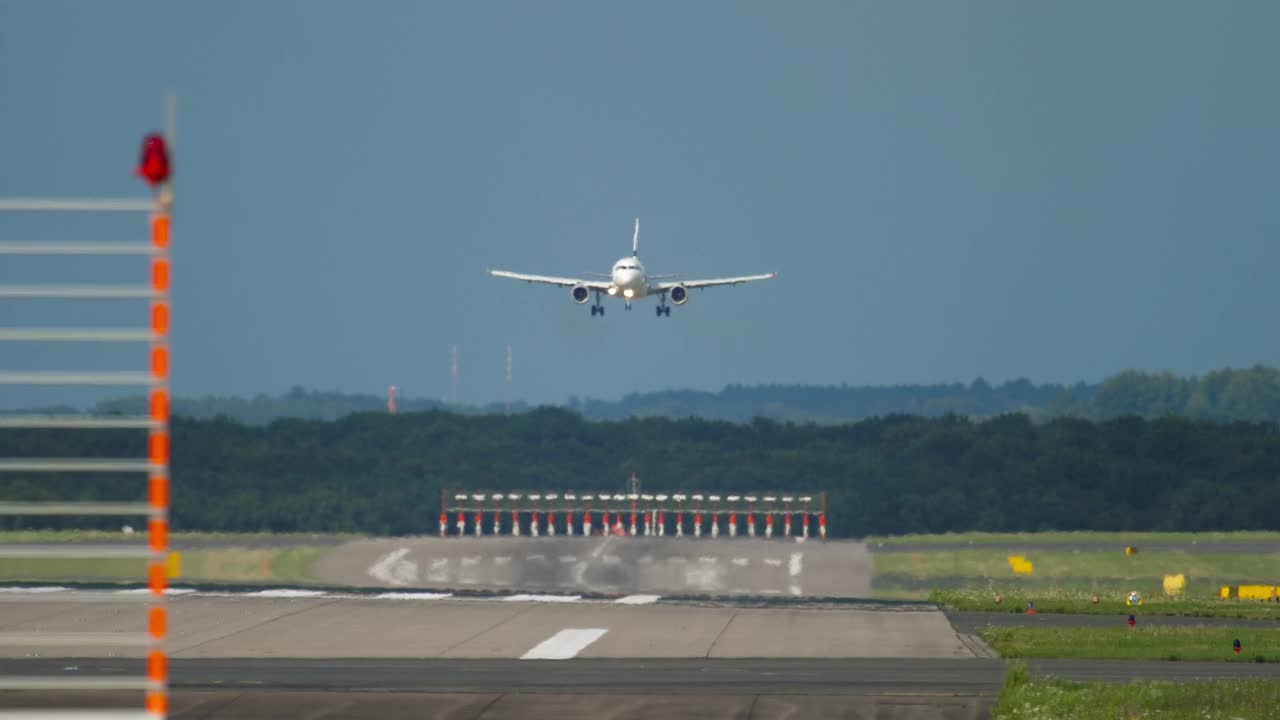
point(631, 514)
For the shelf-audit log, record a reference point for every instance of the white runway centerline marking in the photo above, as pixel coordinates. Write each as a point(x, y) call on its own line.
point(742, 562)
point(638, 600)
point(564, 644)
point(542, 598)
point(775, 562)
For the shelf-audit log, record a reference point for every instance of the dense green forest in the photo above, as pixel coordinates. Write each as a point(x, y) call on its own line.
point(1222, 395)
point(381, 473)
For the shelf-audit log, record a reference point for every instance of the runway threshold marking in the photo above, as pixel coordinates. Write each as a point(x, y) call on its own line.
point(565, 644)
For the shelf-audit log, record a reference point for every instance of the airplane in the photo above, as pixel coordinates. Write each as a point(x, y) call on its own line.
point(630, 281)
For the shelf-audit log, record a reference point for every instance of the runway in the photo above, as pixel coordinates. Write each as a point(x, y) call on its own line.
point(605, 565)
point(428, 626)
point(759, 689)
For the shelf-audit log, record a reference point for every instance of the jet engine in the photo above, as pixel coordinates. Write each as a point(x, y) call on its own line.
point(679, 295)
point(580, 294)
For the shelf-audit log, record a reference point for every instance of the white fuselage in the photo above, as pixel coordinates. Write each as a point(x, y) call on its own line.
point(628, 279)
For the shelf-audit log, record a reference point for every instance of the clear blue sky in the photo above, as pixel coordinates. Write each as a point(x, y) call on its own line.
point(948, 190)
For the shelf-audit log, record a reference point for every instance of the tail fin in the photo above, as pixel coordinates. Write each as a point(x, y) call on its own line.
point(635, 241)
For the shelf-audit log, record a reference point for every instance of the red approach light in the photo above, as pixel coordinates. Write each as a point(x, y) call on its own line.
point(1236, 646)
point(154, 166)
point(1031, 608)
point(1132, 621)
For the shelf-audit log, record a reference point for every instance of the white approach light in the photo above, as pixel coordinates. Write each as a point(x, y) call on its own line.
point(552, 496)
point(633, 496)
point(769, 498)
point(497, 496)
point(478, 498)
point(460, 496)
point(787, 498)
point(679, 497)
point(570, 496)
point(535, 498)
point(806, 498)
point(714, 498)
point(588, 497)
point(646, 496)
point(733, 498)
point(698, 498)
point(619, 496)
point(514, 496)
point(750, 498)
point(660, 498)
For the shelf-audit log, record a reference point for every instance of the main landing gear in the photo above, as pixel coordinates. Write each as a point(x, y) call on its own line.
point(597, 309)
point(663, 308)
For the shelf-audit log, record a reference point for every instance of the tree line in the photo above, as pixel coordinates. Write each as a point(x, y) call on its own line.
point(1222, 395)
point(379, 473)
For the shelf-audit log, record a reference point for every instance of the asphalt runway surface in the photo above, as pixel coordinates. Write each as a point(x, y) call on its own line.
point(423, 626)
point(885, 689)
point(605, 565)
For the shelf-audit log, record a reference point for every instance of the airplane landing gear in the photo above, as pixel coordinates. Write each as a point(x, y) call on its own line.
point(663, 310)
point(597, 309)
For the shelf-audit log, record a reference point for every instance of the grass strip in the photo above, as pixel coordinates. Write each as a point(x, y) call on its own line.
point(230, 565)
point(1151, 642)
point(1121, 539)
point(1026, 698)
point(1080, 602)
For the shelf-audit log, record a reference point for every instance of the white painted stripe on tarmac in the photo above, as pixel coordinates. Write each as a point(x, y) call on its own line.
point(412, 596)
point(542, 598)
point(638, 600)
point(742, 562)
point(286, 593)
point(775, 562)
point(797, 563)
point(564, 644)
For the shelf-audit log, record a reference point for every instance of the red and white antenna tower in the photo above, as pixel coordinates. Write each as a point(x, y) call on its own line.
point(391, 399)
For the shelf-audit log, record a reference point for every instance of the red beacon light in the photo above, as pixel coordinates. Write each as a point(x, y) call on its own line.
point(154, 165)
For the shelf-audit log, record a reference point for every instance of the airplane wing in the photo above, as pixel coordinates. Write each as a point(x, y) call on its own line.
point(692, 284)
point(551, 280)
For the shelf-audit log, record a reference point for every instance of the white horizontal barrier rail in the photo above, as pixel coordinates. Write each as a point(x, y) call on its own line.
point(77, 422)
point(77, 335)
point(74, 550)
point(78, 597)
point(77, 292)
point(75, 378)
point(78, 204)
point(42, 714)
point(106, 465)
point(75, 508)
point(73, 639)
point(63, 682)
point(76, 248)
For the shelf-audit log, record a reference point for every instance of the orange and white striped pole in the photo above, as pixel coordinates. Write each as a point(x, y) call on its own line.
point(158, 617)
